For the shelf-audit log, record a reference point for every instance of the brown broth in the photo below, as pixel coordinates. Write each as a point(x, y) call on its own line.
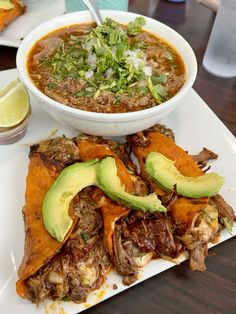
point(156, 49)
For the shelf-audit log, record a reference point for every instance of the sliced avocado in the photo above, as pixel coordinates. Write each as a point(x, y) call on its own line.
point(76, 177)
point(6, 5)
point(56, 202)
point(110, 183)
point(163, 171)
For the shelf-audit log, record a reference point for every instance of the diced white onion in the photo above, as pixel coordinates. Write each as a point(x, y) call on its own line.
point(142, 261)
point(91, 60)
point(133, 57)
point(89, 44)
point(55, 277)
point(87, 272)
point(114, 50)
point(129, 53)
point(147, 70)
point(135, 61)
point(88, 74)
point(109, 73)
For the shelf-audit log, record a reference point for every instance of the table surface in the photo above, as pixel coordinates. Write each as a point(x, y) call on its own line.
point(179, 290)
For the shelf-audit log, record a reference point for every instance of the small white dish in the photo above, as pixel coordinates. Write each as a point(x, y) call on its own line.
point(107, 124)
point(36, 13)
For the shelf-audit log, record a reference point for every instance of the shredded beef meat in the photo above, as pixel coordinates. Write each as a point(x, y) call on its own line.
point(123, 260)
point(80, 266)
point(224, 209)
point(137, 238)
point(59, 148)
point(204, 155)
point(140, 138)
point(91, 138)
point(169, 198)
point(197, 257)
point(163, 130)
point(203, 229)
point(140, 187)
point(69, 275)
point(121, 149)
point(90, 220)
point(151, 232)
point(48, 46)
point(124, 154)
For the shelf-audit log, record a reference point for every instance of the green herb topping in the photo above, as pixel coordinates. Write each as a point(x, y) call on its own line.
point(109, 58)
point(85, 236)
point(228, 224)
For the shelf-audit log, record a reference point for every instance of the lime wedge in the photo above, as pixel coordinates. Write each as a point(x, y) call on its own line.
point(14, 104)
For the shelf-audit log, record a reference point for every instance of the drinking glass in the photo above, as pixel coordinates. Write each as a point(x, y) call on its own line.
point(78, 5)
point(220, 55)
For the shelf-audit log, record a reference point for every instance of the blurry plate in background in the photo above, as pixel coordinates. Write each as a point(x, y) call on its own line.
point(36, 13)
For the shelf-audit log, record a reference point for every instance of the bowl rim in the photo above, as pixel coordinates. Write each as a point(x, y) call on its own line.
point(97, 116)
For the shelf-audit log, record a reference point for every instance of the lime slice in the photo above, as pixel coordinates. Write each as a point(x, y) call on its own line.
point(14, 104)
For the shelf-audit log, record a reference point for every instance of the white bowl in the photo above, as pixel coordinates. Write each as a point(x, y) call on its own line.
point(106, 124)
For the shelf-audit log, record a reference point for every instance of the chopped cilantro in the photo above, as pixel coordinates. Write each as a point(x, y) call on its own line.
point(153, 91)
point(106, 59)
point(52, 85)
point(85, 236)
point(84, 93)
point(228, 224)
point(135, 26)
point(97, 94)
point(65, 299)
point(142, 90)
point(160, 89)
point(159, 79)
point(168, 56)
point(137, 45)
point(141, 255)
point(72, 37)
point(126, 219)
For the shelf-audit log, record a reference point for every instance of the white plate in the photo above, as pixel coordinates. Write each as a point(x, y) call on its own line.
point(195, 126)
point(36, 13)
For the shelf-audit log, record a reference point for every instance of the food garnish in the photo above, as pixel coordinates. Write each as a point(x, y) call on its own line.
point(108, 68)
point(190, 215)
point(110, 183)
point(6, 5)
point(163, 171)
point(228, 223)
point(14, 104)
point(76, 177)
point(104, 59)
point(135, 27)
point(105, 232)
point(55, 208)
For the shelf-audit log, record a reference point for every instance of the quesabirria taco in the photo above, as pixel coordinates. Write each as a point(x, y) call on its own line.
point(106, 230)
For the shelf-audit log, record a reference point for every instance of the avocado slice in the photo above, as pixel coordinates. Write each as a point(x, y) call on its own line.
point(56, 202)
point(78, 176)
point(6, 5)
point(163, 171)
point(110, 183)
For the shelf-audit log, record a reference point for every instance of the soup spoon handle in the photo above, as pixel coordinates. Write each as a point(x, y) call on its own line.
point(94, 11)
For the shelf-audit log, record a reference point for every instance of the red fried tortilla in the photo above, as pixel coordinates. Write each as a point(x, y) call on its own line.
point(39, 245)
point(183, 209)
point(111, 211)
